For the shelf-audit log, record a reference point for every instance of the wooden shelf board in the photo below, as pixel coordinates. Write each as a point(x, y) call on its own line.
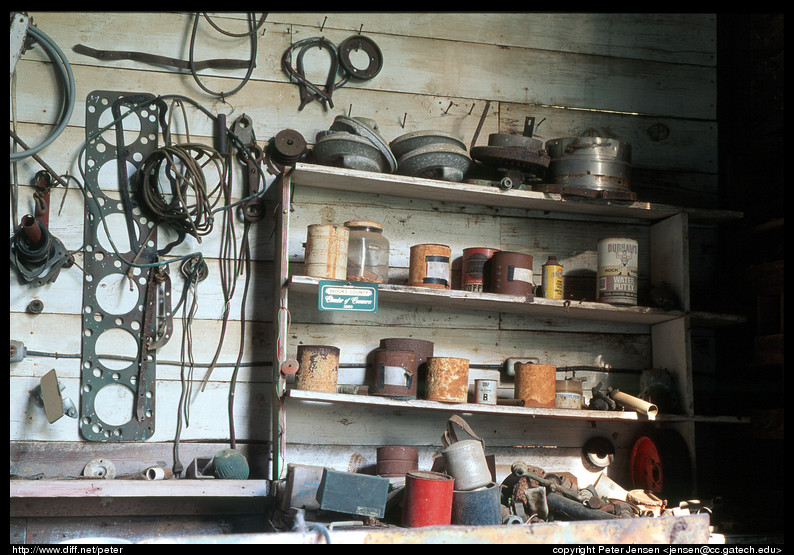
point(540, 307)
point(328, 177)
point(139, 488)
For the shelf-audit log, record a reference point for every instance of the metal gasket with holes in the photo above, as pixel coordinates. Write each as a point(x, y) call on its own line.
point(113, 296)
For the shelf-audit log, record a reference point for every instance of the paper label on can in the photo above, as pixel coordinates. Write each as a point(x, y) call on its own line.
point(394, 375)
point(521, 274)
point(437, 268)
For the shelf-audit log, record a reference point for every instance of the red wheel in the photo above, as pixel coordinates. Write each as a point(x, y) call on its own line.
point(659, 462)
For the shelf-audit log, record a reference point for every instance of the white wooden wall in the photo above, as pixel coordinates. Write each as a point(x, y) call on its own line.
point(649, 79)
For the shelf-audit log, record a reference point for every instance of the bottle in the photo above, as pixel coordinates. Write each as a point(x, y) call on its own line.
point(367, 252)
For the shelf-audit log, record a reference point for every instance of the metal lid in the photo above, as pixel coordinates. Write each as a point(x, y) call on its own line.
point(363, 223)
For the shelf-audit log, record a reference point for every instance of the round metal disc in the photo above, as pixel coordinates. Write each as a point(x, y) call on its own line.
point(357, 42)
point(417, 139)
point(599, 451)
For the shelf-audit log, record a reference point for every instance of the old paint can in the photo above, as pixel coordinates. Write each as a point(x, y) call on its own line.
point(536, 384)
point(617, 271)
point(473, 267)
point(466, 462)
point(423, 350)
point(568, 394)
point(477, 507)
point(428, 499)
point(395, 374)
point(429, 266)
point(326, 251)
point(511, 274)
point(485, 391)
point(551, 278)
point(318, 367)
point(394, 461)
point(447, 379)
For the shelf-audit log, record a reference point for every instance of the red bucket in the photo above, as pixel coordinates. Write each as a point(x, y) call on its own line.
point(428, 499)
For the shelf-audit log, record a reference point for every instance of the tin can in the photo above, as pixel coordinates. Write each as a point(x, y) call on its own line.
point(326, 251)
point(473, 267)
point(429, 266)
point(478, 507)
point(617, 271)
point(423, 350)
point(427, 499)
point(536, 384)
point(466, 462)
point(511, 274)
point(485, 391)
point(551, 278)
point(569, 394)
point(395, 374)
point(318, 368)
point(447, 379)
point(394, 461)
point(597, 163)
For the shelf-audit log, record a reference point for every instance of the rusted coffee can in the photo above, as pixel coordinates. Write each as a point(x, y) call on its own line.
point(473, 267)
point(326, 251)
point(429, 266)
point(536, 384)
point(394, 461)
point(617, 271)
point(447, 379)
point(318, 368)
point(511, 274)
point(395, 374)
point(427, 500)
point(551, 278)
point(485, 391)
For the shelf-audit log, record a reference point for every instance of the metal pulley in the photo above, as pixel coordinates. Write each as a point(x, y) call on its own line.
point(36, 254)
point(590, 166)
point(354, 143)
point(431, 154)
point(520, 158)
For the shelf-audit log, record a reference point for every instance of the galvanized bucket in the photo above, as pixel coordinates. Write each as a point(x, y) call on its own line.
point(465, 460)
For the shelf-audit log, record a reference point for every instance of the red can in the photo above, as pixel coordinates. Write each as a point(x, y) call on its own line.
point(428, 499)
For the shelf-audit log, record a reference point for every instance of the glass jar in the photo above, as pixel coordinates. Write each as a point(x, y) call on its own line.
point(367, 252)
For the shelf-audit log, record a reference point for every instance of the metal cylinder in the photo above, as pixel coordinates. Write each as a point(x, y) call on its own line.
point(617, 271)
point(485, 391)
point(511, 274)
point(427, 500)
point(395, 374)
point(473, 267)
point(551, 278)
point(318, 368)
point(32, 230)
point(598, 163)
point(536, 384)
point(478, 507)
point(447, 379)
point(395, 461)
point(429, 266)
point(568, 394)
point(326, 251)
point(465, 461)
point(423, 350)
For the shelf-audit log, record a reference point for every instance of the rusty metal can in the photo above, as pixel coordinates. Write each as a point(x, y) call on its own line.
point(511, 274)
point(318, 368)
point(617, 271)
point(326, 251)
point(485, 391)
point(448, 379)
point(429, 266)
point(536, 384)
point(423, 350)
point(551, 278)
point(394, 461)
point(473, 267)
point(396, 374)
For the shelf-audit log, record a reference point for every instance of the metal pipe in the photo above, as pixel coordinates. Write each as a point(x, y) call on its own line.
point(32, 230)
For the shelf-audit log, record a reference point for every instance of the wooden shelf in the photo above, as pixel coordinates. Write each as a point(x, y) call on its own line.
point(540, 307)
point(503, 410)
point(139, 488)
point(359, 181)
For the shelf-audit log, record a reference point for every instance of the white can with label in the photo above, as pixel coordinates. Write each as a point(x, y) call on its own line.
point(485, 391)
point(617, 271)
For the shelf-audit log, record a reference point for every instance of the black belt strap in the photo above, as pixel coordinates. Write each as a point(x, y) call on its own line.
point(159, 60)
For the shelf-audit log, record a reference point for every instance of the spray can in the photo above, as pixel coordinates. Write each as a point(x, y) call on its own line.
point(551, 278)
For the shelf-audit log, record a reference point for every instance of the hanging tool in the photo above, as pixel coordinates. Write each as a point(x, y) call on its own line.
point(251, 158)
